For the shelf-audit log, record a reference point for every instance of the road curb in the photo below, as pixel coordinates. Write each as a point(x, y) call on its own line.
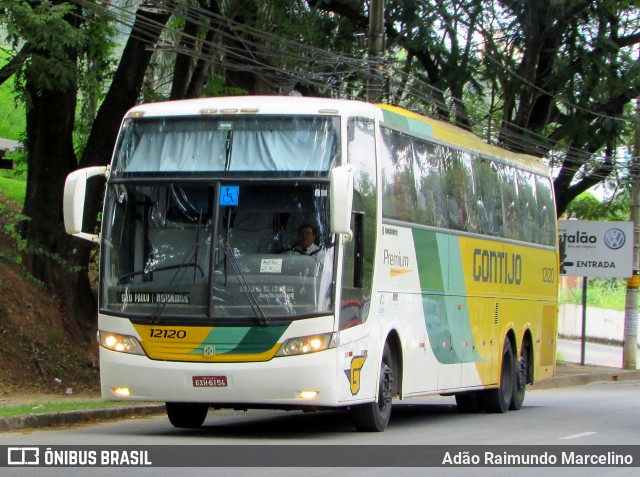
point(73, 417)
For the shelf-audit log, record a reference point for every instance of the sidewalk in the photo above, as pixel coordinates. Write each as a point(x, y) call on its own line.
point(573, 374)
point(567, 374)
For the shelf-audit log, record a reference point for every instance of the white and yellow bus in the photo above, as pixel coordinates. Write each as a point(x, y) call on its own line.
point(435, 272)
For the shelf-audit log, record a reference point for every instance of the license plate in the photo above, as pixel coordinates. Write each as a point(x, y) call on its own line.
point(209, 381)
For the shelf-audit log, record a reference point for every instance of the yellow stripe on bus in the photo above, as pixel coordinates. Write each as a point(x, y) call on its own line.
point(188, 343)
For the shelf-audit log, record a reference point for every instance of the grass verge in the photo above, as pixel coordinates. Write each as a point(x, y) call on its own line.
point(12, 187)
point(57, 406)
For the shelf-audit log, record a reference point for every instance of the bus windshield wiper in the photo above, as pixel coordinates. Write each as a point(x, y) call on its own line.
point(244, 286)
point(180, 271)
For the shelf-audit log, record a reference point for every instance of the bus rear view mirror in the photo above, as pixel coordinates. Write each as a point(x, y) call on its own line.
point(75, 189)
point(341, 199)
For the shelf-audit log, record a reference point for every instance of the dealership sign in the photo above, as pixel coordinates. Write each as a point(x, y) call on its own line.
point(596, 249)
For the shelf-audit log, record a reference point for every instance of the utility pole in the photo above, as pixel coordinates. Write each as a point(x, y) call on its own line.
point(375, 78)
point(629, 353)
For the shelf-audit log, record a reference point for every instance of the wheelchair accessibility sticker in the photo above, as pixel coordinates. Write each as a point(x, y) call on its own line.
point(229, 195)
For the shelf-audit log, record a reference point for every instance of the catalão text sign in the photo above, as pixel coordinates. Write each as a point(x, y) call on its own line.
point(596, 249)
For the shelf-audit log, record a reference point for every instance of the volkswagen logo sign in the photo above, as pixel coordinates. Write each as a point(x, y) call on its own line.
point(614, 239)
point(208, 351)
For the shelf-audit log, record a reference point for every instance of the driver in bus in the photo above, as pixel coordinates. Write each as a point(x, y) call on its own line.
point(306, 244)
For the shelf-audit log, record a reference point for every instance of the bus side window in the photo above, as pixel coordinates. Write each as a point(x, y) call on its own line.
point(430, 185)
point(510, 202)
point(546, 209)
point(530, 231)
point(488, 203)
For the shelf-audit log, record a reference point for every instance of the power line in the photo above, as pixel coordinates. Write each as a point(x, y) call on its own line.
point(525, 81)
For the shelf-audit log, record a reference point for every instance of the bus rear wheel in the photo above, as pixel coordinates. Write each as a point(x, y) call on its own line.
point(521, 378)
point(186, 415)
point(374, 416)
point(499, 400)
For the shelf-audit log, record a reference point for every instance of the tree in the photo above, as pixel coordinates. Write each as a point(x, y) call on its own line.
point(560, 75)
point(54, 41)
point(587, 207)
point(570, 77)
point(47, 69)
point(553, 79)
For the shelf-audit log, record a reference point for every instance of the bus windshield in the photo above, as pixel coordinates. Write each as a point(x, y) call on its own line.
point(172, 250)
point(242, 143)
point(202, 211)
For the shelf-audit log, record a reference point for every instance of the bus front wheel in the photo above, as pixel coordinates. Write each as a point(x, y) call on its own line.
point(498, 400)
point(186, 415)
point(374, 416)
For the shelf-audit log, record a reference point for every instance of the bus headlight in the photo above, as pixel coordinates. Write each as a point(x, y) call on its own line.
point(120, 343)
point(308, 344)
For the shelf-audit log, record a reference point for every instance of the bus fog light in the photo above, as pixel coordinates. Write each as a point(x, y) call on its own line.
point(308, 394)
point(308, 344)
point(122, 392)
point(120, 343)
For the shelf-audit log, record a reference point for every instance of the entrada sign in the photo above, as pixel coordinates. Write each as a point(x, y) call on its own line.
point(596, 249)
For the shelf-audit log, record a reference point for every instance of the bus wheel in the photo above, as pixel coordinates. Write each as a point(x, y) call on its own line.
point(468, 403)
point(499, 400)
point(187, 415)
point(520, 382)
point(374, 416)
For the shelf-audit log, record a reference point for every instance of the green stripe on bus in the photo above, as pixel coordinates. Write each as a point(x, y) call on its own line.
point(446, 316)
point(241, 339)
point(260, 339)
point(405, 122)
point(428, 257)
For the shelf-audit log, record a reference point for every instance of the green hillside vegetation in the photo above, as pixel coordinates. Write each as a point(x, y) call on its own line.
point(601, 293)
point(12, 187)
point(12, 117)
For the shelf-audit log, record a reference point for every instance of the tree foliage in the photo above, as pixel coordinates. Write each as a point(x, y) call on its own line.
point(588, 207)
point(549, 78)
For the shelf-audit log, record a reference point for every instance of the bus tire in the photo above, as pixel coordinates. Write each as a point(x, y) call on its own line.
point(498, 400)
point(186, 415)
point(468, 403)
point(374, 416)
point(520, 383)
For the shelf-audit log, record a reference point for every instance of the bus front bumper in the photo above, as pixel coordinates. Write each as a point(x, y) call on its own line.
point(291, 381)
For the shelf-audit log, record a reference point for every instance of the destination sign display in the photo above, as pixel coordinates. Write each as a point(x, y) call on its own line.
point(148, 298)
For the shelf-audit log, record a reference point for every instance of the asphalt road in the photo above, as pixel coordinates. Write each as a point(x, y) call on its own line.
point(604, 413)
point(608, 411)
point(594, 415)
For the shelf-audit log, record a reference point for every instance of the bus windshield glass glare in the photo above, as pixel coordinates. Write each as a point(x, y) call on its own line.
point(202, 216)
point(235, 144)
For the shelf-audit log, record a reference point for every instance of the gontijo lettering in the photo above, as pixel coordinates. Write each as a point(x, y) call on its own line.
point(497, 267)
